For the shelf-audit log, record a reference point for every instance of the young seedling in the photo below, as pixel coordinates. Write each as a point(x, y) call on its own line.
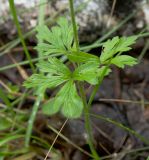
point(87, 68)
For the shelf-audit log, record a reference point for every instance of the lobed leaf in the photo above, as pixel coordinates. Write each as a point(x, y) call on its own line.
point(87, 72)
point(109, 49)
point(82, 57)
point(125, 43)
point(66, 100)
point(72, 108)
point(46, 49)
point(54, 66)
point(57, 40)
point(72, 104)
point(116, 45)
point(66, 32)
point(42, 81)
point(49, 108)
point(123, 60)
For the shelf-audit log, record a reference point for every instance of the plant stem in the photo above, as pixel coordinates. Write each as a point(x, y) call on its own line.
point(88, 127)
point(31, 120)
point(76, 39)
point(14, 14)
point(26, 62)
point(41, 17)
point(40, 96)
point(41, 22)
point(90, 138)
point(97, 86)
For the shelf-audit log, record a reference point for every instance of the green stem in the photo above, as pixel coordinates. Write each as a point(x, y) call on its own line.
point(14, 14)
point(41, 21)
point(26, 62)
point(41, 16)
point(32, 119)
point(81, 88)
point(76, 39)
point(88, 126)
point(40, 96)
point(97, 86)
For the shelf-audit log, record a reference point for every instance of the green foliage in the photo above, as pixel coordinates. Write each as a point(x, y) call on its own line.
point(5, 124)
point(87, 72)
point(57, 40)
point(54, 67)
point(87, 67)
point(116, 45)
point(41, 81)
point(6, 120)
point(67, 100)
point(13, 88)
point(82, 57)
point(123, 60)
point(49, 108)
point(57, 73)
point(103, 69)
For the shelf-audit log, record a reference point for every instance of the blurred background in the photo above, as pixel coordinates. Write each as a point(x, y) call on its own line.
point(123, 96)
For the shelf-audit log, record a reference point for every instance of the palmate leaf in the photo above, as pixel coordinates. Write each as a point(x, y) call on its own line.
point(57, 40)
point(46, 49)
point(66, 32)
point(123, 60)
point(72, 105)
point(67, 100)
point(116, 45)
point(72, 108)
point(57, 73)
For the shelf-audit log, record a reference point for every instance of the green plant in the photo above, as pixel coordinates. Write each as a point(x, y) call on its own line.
point(86, 67)
point(62, 39)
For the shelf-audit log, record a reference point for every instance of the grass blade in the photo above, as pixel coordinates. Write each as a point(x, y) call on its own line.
point(14, 14)
point(4, 97)
point(120, 125)
point(31, 120)
point(39, 99)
